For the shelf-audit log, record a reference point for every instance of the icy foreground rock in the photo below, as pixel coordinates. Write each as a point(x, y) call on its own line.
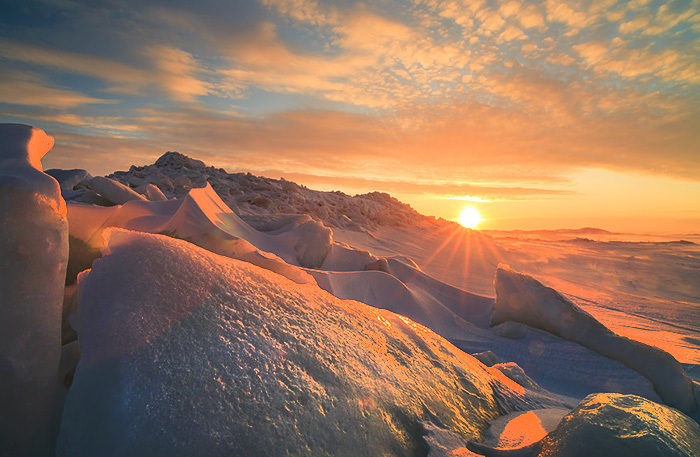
point(185, 352)
point(614, 425)
point(33, 258)
point(522, 298)
point(602, 425)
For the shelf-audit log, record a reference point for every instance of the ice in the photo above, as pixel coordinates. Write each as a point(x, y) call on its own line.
point(602, 425)
point(613, 425)
point(33, 258)
point(204, 219)
point(253, 197)
point(177, 160)
point(523, 299)
point(444, 443)
point(154, 194)
point(185, 352)
point(313, 245)
point(523, 428)
point(114, 191)
point(68, 179)
point(514, 372)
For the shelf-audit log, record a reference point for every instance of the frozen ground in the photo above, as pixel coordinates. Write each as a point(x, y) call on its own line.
point(176, 300)
point(646, 287)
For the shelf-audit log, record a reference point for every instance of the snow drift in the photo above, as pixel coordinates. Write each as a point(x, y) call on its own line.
point(522, 298)
point(191, 353)
point(33, 258)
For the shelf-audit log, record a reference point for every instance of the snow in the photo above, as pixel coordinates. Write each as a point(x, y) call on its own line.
point(313, 245)
point(153, 193)
point(33, 258)
point(114, 191)
point(171, 332)
point(523, 299)
point(523, 428)
point(191, 353)
point(623, 425)
point(444, 443)
point(68, 179)
point(204, 219)
point(514, 372)
point(256, 198)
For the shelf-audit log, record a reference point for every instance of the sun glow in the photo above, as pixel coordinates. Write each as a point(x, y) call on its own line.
point(469, 217)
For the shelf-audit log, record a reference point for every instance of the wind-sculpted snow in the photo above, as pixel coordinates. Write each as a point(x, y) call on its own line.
point(185, 352)
point(33, 259)
point(523, 299)
point(204, 219)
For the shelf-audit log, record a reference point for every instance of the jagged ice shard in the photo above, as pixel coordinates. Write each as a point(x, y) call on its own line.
point(33, 258)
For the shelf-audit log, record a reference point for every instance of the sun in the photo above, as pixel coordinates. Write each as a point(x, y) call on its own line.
point(469, 217)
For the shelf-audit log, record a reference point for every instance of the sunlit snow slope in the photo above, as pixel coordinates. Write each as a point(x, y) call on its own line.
point(191, 353)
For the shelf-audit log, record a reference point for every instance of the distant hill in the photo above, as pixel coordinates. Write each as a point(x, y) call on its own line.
point(258, 200)
point(579, 231)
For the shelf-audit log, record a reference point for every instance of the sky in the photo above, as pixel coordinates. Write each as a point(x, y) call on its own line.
point(544, 114)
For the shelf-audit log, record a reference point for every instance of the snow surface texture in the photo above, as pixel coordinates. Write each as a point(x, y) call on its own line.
point(191, 353)
point(602, 425)
point(33, 258)
point(523, 428)
point(523, 299)
point(613, 425)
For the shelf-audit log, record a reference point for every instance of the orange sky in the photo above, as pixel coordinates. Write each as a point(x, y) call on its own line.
point(540, 114)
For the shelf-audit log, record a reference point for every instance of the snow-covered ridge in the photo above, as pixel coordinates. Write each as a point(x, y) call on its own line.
point(255, 198)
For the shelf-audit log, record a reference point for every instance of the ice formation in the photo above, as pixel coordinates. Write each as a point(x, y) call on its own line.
point(614, 425)
point(33, 258)
point(255, 198)
point(68, 179)
point(521, 298)
point(602, 425)
point(191, 353)
point(114, 191)
point(204, 219)
point(523, 428)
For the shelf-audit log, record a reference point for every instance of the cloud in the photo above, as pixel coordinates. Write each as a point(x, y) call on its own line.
point(462, 145)
point(482, 95)
point(617, 56)
point(28, 89)
point(105, 69)
point(176, 72)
